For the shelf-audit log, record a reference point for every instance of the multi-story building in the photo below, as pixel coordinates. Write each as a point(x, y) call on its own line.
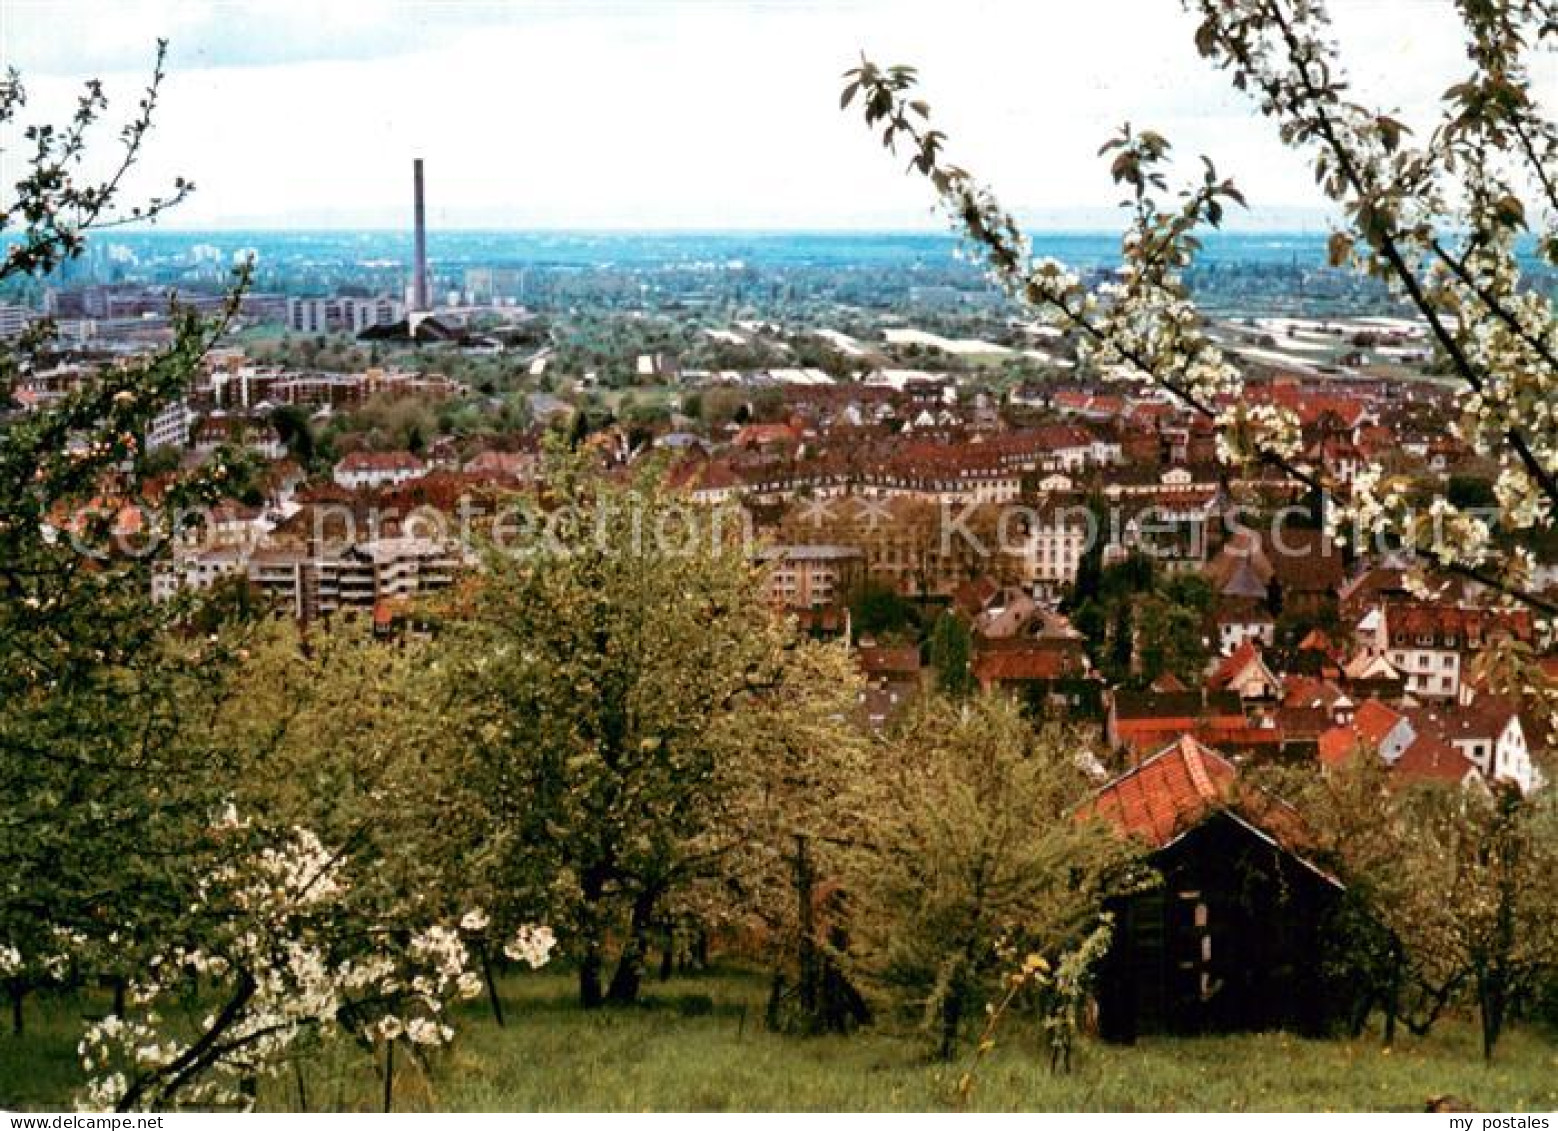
point(342, 314)
point(811, 576)
point(355, 575)
point(14, 319)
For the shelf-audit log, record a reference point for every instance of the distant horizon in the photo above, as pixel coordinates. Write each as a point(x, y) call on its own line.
point(674, 230)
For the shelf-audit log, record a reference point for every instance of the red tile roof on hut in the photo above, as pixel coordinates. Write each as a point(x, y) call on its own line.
point(1167, 794)
point(1179, 787)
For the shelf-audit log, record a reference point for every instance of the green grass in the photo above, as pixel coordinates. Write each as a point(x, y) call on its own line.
point(667, 1055)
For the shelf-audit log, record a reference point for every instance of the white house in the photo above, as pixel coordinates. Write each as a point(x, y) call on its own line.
point(377, 469)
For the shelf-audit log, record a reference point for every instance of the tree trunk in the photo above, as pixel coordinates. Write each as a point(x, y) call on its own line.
point(492, 985)
point(843, 1009)
point(629, 975)
point(809, 985)
point(590, 996)
point(951, 1016)
point(591, 930)
point(18, 991)
point(1492, 997)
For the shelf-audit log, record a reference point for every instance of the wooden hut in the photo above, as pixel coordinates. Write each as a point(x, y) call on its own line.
point(1234, 938)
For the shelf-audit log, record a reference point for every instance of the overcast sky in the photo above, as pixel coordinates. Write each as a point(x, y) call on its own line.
point(667, 114)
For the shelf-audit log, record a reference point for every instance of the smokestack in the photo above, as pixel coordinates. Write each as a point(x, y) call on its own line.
point(419, 268)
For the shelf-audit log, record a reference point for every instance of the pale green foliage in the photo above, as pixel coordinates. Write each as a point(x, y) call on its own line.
point(967, 854)
point(1452, 892)
point(631, 689)
point(338, 888)
point(98, 789)
point(1493, 860)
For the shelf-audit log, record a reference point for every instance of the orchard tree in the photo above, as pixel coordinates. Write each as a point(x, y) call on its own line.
point(625, 672)
point(1452, 891)
point(951, 649)
point(96, 795)
point(791, 828)
point(968, 852)
point(1437, 217)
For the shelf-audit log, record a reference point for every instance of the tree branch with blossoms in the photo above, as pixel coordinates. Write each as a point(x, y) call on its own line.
point(293, 953)
point(1498, 334)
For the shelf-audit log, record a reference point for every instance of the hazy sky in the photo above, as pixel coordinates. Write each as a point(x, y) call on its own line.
point(675, 113)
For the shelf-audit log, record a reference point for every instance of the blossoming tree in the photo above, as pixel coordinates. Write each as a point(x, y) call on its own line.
point(1437, 218)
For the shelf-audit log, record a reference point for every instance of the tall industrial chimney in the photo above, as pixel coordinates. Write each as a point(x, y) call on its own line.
point(419, 277)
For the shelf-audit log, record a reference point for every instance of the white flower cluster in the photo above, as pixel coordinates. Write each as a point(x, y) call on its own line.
point(1377, 506)
point(531, 945)
point(297, 958)
point(1246, 431)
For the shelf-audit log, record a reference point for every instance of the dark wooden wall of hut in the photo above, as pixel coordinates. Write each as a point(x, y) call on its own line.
point(1233, 940)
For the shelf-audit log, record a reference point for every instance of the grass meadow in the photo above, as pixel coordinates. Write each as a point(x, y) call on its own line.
point(698, 1044)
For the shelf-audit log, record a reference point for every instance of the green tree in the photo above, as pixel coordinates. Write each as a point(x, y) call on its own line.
point(100, 802)
point(624, 669)
point(296, 432)
point(951, 655)
point(1173, 639)
point(1453, 891)
point(967, 853)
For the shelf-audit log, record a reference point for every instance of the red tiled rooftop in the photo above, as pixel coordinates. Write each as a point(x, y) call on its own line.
point(1176, 789)
point(1024, 663)
point(1167, 794)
